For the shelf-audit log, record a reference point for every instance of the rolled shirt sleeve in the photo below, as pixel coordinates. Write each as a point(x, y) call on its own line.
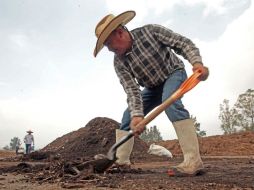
point(131, 88)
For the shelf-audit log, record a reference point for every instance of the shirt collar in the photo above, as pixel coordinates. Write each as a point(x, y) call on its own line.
point(130, 51)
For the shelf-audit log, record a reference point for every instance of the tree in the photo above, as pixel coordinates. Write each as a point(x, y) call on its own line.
point(245, 109)
point(6, 147)
point(151, 134)
point(197, 127)
point(228, 118)
point(241, 116)
point(14, 142)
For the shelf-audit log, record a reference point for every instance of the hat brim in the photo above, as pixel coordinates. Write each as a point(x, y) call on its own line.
point(29, 131)
point(123, 19)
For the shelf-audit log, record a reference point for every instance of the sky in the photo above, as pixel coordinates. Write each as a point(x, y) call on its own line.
point(51, 83)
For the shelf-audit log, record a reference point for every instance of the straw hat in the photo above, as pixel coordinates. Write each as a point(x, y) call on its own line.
point(29, 131)
point(107, 25)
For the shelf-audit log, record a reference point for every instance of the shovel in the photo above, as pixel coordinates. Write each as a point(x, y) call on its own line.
point(105, 161)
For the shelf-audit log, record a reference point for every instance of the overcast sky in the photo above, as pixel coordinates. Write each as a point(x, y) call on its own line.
point(51, 83)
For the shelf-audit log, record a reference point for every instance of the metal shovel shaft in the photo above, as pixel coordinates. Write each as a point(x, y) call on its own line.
point(112, 151)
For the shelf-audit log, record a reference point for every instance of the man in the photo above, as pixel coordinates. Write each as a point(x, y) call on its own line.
point(29, 140)
point(146, 57)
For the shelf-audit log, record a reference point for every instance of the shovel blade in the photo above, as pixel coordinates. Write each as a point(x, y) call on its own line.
point(106, 161)
point(102, 165)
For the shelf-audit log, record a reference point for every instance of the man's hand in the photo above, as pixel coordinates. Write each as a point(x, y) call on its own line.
point(137, 129)
point(204, 71)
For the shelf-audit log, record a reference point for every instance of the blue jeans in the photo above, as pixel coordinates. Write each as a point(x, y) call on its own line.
point(28, 148)
point(152, 97)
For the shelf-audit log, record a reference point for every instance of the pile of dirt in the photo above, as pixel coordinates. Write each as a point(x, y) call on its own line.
point(95, 138)
point(237, 144)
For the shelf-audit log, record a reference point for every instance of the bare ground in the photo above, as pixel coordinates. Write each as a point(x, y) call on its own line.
point(228, 159)
point(222, 173)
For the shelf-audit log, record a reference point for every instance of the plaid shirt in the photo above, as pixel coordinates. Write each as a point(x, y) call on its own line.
point(151, 61)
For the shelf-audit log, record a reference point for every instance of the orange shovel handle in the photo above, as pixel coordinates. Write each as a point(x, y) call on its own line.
point(186, 86)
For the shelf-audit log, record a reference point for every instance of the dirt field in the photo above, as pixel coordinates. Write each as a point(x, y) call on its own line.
point(228, 159)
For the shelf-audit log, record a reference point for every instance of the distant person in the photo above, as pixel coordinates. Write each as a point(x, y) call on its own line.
point(147, 57)
point(29, 141)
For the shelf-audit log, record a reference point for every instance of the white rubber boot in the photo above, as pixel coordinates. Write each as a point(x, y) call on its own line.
point(192, 164)
point(124, 151)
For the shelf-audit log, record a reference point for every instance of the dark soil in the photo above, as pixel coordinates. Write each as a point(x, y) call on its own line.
point(228, 159)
